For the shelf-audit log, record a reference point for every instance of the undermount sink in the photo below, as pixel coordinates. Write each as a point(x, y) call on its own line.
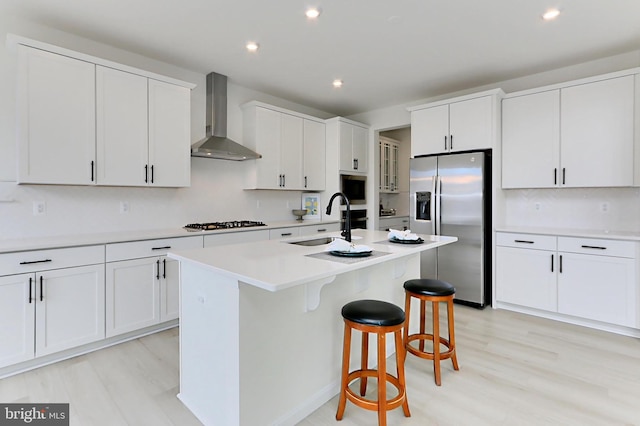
point(313, 242)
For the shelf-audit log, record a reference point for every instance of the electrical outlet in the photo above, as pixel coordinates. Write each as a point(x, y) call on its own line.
point(124, 207)
point(604, 207)
point(39, 208)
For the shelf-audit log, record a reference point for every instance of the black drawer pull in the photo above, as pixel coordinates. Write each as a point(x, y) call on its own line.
point(286, 234)
point(161, 248)
point(30, 292)
point(594, 247)
point(35, 261)
point(41, 295)
point(523, 241)
point(322, 230)
point(551, 263)
point(158, 269)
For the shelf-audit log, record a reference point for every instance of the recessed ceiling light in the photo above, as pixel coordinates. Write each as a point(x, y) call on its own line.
point(312, 13)
point(337, 83)
point(550, 14)
point(252, 46)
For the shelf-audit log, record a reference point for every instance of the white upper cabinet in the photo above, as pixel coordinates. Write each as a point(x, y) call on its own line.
point(461, 124)
point(596, 134)
point(122, 136)
point(84, 120)
point(169, 134)
point(577, 135)
point(531, 140)
point(56, 116)
point(292, 146)
point(314, 155)
point(354, 141)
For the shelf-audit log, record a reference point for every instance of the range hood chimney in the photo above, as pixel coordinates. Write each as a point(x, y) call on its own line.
point(216, 144)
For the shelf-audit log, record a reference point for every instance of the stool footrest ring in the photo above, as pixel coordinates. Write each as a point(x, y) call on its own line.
point(428, 355)
point(372, 404)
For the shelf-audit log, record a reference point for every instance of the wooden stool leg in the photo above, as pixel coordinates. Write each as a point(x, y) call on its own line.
point(401, 355)
point(346, 351)
point(364, 362)
point(452, 336)
point(382, 380)
point(423, 318)
point(436, 341)
point(407, 314)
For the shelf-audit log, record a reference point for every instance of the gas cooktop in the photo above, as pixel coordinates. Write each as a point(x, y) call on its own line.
point(212, 226)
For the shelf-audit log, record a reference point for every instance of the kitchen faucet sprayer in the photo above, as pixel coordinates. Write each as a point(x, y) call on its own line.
point(346, 232)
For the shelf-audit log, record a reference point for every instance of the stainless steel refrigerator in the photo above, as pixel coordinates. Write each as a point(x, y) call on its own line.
point(450, 195)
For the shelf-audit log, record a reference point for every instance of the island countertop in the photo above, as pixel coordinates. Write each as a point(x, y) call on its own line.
point(276, 265)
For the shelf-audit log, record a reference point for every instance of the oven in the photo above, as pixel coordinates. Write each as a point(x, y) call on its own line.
point(355, 188)
point(358, 218)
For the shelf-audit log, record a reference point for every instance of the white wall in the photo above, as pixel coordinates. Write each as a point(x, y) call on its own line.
point(217, 186)
point(569, 208)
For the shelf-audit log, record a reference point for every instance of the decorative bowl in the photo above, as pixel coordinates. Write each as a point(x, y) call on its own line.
point(299, 213)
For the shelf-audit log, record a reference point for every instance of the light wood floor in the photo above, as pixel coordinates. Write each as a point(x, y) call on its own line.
point(514, 370)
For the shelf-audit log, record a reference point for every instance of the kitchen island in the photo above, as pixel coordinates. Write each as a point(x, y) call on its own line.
point(260, 323)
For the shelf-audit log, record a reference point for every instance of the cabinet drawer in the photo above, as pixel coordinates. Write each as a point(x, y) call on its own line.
point(42, 260)
point(235, 237)
point(148, 248)
point(530, 241)
point(319, 229)
point(275, 234)
point(597, 246)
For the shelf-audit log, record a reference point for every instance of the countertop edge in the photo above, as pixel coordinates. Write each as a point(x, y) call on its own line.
point(567, 232)
point(64, 241)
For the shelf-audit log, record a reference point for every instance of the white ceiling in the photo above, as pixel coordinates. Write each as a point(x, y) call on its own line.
point(387, 52)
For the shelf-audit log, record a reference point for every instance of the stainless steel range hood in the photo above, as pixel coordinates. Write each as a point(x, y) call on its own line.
point(216, 144)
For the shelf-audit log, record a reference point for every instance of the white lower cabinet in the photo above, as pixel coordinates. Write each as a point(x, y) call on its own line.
point(142, 289)
point(47, 311)
point(585, 278)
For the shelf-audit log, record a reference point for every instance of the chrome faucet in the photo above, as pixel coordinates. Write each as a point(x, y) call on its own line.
point(346, 232)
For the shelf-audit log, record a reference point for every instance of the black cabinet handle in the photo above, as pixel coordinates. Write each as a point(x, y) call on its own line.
point(41, 286)
point(355, 164)
point(284, 180)
point(164, 268)
point(560, 263)
point(564, 175)
point(158, 269)
point(594, 247)
point(552, 263)
point(30, 289)
point(450, 141)
point(523, 241)
point(92, 178)
point(152, 174)
point(35, 261)
point(322, 230)
point(286, 234)
point(445, 142)
point(146, 173)
point(161, 248)
point(555, 176)
point(305, 181)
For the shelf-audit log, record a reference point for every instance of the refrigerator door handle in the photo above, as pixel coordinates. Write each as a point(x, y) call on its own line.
point(438, 211)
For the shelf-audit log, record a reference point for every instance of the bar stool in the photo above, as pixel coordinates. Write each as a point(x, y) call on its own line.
point(434, 291)
point(373, 316)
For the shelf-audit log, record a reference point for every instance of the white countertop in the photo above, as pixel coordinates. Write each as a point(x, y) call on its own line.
point(277, 265)
point(565, 232)
point(61, 241)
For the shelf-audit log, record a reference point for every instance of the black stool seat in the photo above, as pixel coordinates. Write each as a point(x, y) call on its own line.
point(429, 287)
point(373, 312)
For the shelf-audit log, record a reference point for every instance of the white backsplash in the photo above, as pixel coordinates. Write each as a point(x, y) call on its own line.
point(217, 193)
point(613, 209)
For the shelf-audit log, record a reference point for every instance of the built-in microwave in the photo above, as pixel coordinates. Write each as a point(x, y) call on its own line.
point(355, 188)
